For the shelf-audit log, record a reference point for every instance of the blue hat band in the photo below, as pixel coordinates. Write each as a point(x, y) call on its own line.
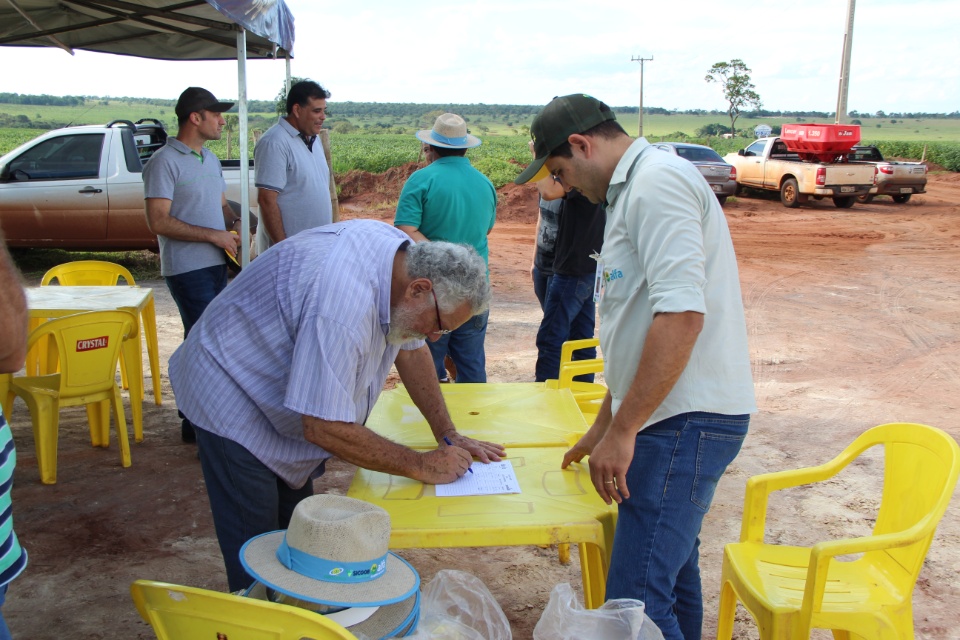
point(328, 570)
point(445, 140)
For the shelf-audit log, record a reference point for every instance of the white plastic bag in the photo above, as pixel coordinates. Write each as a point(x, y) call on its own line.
point(456, 605)
point(566, 619)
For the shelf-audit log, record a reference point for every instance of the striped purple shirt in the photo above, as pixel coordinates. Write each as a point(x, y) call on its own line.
point(301, 331)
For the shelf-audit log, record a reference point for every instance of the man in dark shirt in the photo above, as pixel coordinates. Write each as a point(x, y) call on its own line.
point(569, 310)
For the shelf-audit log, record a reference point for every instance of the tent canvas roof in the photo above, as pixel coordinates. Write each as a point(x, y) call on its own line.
point(161, 29)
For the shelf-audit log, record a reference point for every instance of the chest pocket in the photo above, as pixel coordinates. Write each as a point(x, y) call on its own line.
point(620, 277)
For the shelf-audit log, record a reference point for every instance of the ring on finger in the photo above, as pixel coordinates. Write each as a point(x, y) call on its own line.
point(609, 482)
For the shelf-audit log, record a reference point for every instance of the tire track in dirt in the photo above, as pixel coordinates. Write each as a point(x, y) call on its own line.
point(755, 300)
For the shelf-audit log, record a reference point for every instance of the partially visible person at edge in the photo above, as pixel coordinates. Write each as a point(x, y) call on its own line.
point(321, 318)
point(292, 176)
point(450, 200)
point(186, 206)
point(544, 249)
point(569, 309)
point(13, 353)
point(674, 341)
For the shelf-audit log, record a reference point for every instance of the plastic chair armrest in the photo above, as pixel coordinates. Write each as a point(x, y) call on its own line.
point(761, 486)
point(823, 553)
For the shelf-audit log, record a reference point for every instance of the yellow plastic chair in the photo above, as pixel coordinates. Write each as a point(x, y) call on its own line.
point(791, 590)
point(86, 273)
point(86, 346)
point(188, 613)
point(589, 395)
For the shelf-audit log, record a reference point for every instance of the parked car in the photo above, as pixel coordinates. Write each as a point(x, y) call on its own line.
point(82, 188)
point(720, 175)
point(899, 180)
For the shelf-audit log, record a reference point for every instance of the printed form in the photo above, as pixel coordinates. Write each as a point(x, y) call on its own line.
point(486, 479)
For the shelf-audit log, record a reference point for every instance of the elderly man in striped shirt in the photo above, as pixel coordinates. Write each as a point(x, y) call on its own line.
point(284, 366)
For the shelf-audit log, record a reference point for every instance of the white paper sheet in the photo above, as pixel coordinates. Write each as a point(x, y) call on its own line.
point(486, 479)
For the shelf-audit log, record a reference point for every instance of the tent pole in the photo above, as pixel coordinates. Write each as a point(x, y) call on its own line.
point(244, 147)
point(286, 82)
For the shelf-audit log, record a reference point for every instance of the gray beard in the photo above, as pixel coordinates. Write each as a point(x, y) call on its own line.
point(401, 319)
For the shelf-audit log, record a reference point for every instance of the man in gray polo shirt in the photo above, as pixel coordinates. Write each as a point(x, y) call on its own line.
point(292, 177)
point(186, 206)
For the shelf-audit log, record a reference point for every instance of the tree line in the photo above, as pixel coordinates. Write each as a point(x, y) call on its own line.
point(350, 109)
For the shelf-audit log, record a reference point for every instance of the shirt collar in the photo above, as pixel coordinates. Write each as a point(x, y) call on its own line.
point(622, 171)
point(184, 149)
point(293, 132)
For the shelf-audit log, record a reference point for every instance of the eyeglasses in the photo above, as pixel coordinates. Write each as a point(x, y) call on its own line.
point(440, 330)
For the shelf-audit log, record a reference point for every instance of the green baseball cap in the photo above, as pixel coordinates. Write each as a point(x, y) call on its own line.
point(560, 119)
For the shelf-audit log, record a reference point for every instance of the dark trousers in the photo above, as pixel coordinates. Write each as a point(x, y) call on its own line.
point(568, 314)
point(246, 499)
point(541, 282)
point(193, 291)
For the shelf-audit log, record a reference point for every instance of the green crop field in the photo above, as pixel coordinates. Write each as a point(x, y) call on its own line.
point(378, 143)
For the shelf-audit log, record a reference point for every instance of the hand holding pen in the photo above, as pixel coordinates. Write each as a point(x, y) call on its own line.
point(447, 440)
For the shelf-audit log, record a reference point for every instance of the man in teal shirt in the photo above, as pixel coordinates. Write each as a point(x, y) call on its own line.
point(449, 200)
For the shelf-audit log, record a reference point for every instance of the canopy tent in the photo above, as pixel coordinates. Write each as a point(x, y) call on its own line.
point(159, 29)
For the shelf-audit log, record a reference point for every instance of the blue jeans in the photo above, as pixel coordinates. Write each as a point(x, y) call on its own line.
point(541, 282)
point(569, 314)
point(246, 499)
point(4, 630)
point(674, 473)
point(465, 347)
point(194, 290)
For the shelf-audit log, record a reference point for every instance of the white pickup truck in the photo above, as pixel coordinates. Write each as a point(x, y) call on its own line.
point(769, 164)
point(82, 187)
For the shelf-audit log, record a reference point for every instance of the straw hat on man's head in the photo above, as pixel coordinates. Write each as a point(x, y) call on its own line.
point(449, 132)
point(335, 555)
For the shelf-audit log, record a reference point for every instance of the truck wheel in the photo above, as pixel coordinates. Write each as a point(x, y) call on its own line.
point(901, 199)
point(844, 202)
point(722, 200)
point(738, 190)
point(789, 195)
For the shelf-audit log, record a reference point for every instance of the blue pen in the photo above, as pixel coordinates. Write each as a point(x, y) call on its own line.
point(447, 440)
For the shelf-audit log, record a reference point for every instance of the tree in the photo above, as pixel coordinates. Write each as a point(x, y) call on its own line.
point(231, 122)
point(739, 92)
point(282, 95)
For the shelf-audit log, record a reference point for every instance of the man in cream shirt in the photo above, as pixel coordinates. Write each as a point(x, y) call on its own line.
point(674, 340)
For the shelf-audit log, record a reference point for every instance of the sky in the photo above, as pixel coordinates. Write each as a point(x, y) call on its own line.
point(904, 56)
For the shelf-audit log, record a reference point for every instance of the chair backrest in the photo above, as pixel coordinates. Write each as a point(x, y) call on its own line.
point(568, 347)
point(87, 348)
point(188, 613)
point(921, 467)
point(87, 273)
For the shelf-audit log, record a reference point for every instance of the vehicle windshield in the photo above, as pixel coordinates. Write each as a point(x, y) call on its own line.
point(697, 154)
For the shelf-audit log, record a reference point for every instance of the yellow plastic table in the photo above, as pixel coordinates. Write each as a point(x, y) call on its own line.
point(54, 302)
point(555, 507)
point(521, 414)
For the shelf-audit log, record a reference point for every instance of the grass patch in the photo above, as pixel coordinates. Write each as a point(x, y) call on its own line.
point(33, 263)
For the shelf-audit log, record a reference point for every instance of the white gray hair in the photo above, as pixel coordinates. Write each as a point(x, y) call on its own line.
point(458, 274)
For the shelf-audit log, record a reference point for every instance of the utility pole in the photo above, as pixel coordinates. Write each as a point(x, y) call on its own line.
point(845, 65)
point(641, 60)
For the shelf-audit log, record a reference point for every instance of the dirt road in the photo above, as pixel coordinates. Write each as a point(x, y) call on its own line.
point(853, 322)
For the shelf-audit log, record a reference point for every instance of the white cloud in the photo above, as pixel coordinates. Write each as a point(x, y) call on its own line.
point(525, 52)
